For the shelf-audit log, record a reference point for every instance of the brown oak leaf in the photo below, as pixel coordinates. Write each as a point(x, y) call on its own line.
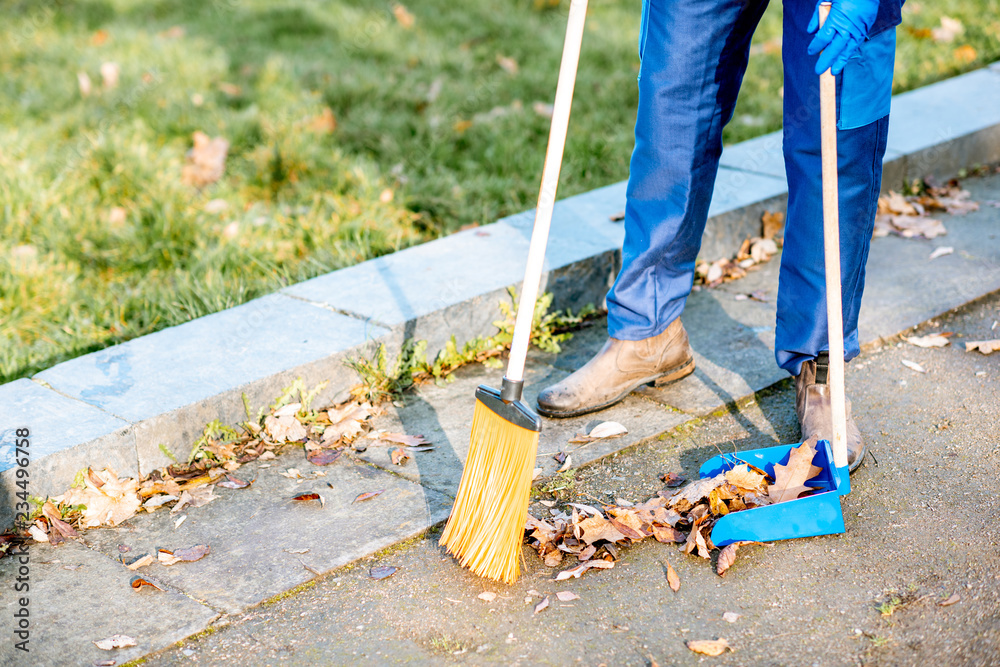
point(790, 479)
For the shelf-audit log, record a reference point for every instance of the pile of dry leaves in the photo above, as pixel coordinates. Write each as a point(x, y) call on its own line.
point(101, 498)
point(589, 537)
point(910, 216)
point(753, 251)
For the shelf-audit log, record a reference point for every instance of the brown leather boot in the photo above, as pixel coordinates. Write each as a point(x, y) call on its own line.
point(812, 405)
point(620, 367)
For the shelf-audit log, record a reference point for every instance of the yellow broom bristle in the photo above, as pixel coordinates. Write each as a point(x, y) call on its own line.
point(486, 527)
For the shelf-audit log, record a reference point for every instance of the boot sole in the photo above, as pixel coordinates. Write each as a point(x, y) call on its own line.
point(861, 458)
point(663, 379)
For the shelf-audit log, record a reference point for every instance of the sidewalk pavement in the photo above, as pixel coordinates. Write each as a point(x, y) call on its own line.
point(264, 546)
point(921, 532)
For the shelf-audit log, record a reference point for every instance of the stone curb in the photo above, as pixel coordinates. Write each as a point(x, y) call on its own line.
point(129, 404)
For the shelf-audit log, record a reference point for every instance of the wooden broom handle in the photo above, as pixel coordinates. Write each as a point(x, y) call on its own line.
point(831, 254)
point(547, 191)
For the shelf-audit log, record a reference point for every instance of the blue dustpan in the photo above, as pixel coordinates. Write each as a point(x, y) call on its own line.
point(816, 514)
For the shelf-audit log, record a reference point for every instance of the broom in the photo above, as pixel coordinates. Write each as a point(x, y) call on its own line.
point(486, 526)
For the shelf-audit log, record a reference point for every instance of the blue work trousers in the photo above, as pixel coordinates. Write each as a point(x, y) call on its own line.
point(693, 57)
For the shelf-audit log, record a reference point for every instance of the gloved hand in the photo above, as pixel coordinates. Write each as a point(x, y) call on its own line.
point(843, 31)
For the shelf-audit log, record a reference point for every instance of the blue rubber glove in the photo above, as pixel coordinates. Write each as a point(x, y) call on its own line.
point(842, 33)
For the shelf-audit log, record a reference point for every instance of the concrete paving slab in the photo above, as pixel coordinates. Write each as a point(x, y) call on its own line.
point(443, 415)
point(732, 337)
point(172, 382)
point(78, 596)
point(250, 530)
point(904, 287)
point(65, 435)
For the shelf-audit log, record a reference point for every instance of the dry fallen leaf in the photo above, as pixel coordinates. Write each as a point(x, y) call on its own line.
point(930, 340)
point(575, 572)
point(284, 428)
point(596, 528)
point(323, 457)
point(896, 203)
point(488, 596)
point(234, 483)
point(59, 529)
point(403, 16)
point(790, 479)
point(110, 73)
point(607, 430)
point(948, 30)
point(380, 572)
point(292, 473)
point(965, 54)
point(142, 561)
point(191, 554)
point(115, 641)
point(139, 582)
point(586, 509)
point(324, 123)
point(206, 161)
point(983, 346)
point(668, 534)
point(952, 599)
point(84, 82)
point(672, 579)
point(346, 422)
point(195, 498)
point(941, 251)
point(762, 249)
point(773, 223)
point(37, 532)
point(727, 557)
point(601, 431)
point(305, 497)
point(695, 491)
point(566, 465)
point(158, 500)
point(542, 109)
point(696, 541)
point(710, 647)
point(544, 604)
point(745, 478)
point(914, 366)
point(398, 456)
point(403, 439)
point(367, 496)
point(672, 479)
point(508, 65)
point(567, 596)
point(108, 500)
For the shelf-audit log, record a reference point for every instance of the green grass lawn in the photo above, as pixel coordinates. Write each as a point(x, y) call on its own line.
point(100, 241)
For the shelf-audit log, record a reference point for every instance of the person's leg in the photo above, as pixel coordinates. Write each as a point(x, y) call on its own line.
point(801, 333)
point(693, 56)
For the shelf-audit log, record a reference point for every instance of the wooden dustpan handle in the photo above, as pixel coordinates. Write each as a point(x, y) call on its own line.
point(547, 191)
point(831, 254)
